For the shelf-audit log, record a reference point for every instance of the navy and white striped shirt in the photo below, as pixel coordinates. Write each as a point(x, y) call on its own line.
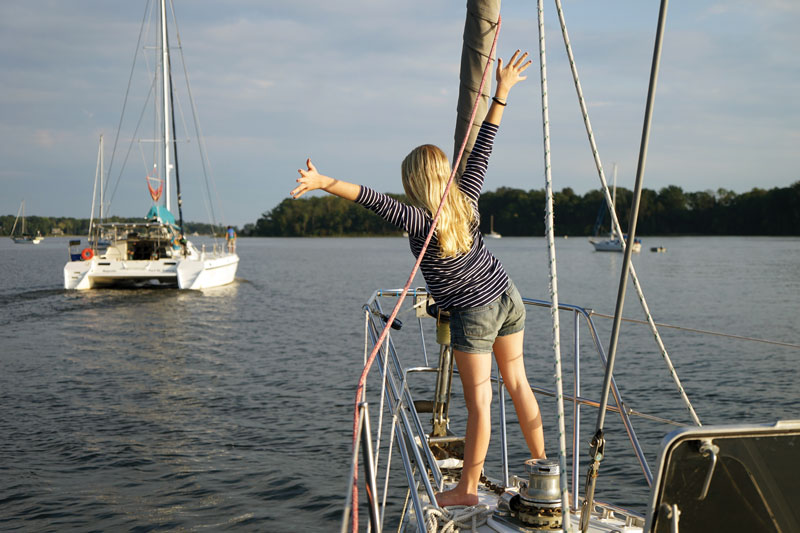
point(469, 279)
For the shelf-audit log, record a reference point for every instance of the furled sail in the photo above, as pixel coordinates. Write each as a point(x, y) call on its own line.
point(479, 29)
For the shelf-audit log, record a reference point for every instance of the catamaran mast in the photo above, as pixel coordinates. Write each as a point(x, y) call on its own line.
point(166, 97)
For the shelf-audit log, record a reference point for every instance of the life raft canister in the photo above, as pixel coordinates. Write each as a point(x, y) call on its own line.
point(87, 254)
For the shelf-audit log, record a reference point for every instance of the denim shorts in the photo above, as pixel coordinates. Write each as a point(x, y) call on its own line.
point(474, 329)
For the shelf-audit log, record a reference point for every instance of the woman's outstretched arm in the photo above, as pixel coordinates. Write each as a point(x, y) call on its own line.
point(311, 180)
point(507, 77)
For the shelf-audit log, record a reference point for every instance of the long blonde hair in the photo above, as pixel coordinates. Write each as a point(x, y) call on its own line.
point(425, 173)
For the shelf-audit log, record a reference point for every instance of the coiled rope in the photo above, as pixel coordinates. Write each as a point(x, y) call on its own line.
point(615, 221)
point(455, 518)
point(551, 250)
point(371, 359)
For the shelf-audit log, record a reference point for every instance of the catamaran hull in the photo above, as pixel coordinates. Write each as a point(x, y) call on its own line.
point(190, 273)
point(207, 273)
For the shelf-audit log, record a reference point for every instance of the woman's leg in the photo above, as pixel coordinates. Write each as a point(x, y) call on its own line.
point(508, 352)
point(475, 372)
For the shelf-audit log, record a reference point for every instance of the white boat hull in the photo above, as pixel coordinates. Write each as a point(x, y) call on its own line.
point(35, 240)
point(207, 272)
point(201, 272)
point(614, 245)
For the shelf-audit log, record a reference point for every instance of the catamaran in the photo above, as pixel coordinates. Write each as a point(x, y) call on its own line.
point(740, 477)
point(155, 251)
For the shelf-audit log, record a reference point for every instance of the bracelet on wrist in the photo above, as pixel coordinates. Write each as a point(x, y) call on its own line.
point(499, 101)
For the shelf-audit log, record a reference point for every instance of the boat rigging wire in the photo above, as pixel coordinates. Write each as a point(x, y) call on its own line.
point(702, 331)
point(598, 441)
point(362, 380)
point(616, 227)
point(551, 250)
point(124, 105)
point(204, 161)
point(175, 162)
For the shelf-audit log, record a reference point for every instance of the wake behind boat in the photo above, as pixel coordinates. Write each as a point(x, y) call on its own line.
point(154, 252)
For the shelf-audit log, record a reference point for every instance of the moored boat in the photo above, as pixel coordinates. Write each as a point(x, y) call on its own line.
point(615, 245)
point(22, 237)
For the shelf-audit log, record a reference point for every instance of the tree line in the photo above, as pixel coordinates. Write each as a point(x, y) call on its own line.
point(515, 212)
point(80, 226)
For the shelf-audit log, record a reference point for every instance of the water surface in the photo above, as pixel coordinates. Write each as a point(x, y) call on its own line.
point(230, 409)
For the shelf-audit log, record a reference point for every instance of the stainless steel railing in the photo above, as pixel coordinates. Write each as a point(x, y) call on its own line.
point(420, 467)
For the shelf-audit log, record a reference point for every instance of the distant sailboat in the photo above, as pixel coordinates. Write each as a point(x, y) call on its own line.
point(492, 233)
point(613, 244)
point(24, 238)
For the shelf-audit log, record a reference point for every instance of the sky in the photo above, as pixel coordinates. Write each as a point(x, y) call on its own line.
point(356, 84)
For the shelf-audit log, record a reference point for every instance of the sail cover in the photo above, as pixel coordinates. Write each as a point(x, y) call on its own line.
point(479, 30)
point(162, 214)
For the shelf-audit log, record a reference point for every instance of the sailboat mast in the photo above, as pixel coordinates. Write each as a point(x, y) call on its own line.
point(17, 219)
point(614, 197)
point(613, 202)
point(166, 97)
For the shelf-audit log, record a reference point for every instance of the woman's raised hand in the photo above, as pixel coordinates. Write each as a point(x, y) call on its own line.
point(309, 180)
point(509, 75)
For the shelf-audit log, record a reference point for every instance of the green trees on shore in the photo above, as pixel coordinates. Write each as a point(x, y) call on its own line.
point(669, 211)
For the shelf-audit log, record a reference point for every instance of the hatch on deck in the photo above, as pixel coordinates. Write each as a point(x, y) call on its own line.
point(732, 478)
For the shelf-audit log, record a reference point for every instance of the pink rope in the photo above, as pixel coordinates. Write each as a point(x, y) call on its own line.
point(363, 379)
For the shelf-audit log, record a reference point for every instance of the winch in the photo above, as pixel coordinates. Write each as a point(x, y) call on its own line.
point(538, 504)
point(540, 500)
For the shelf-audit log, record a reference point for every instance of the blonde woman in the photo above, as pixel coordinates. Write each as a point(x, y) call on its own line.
point(486, 311)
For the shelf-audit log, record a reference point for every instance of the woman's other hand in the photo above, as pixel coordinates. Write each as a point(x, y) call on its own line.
point(309, 180)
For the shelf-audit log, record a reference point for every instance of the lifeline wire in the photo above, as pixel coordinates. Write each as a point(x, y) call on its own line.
point(704, 332)
point(615, 221)
point(551, 249)
point(362, 380)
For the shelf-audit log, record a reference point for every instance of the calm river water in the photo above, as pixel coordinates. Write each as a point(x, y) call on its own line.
point(231, 409)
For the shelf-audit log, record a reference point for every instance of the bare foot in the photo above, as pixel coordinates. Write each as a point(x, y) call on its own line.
point(453, 497)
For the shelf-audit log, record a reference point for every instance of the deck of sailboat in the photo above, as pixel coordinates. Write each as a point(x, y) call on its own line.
point(754, 456)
